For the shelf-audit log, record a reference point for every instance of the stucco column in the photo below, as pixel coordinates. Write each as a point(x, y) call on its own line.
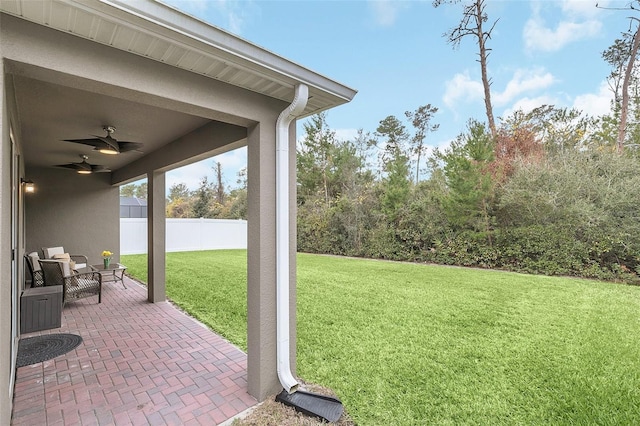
point(5, 257)
point(156, 218)
point(261, 262)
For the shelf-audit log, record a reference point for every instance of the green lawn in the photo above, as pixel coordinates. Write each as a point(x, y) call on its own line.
point(406, 344)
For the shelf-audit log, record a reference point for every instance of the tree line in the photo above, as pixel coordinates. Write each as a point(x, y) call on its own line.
point(211, 199)
point(551, 191)
point(549, 194)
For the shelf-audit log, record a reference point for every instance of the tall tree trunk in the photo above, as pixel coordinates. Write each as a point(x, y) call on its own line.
point(483, 67)
point(220, 189)
point(418, 165)
point(624, 110)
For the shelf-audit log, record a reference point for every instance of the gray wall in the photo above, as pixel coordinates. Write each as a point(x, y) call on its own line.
point(5, 259)
point(79, 212)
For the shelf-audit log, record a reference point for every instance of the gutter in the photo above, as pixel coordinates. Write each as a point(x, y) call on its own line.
point(293, 111)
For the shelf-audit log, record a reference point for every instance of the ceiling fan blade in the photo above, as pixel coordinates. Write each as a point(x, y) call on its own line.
point(96, 143)
point(96, 168)
point(72, 166)
point(129, 146)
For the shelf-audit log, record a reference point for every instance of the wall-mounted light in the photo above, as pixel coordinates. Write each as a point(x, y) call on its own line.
point(29, 186)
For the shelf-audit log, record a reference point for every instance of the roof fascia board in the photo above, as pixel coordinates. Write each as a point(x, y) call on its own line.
point(176, 21)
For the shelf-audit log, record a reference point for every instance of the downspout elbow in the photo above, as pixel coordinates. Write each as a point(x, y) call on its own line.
point(288, 382)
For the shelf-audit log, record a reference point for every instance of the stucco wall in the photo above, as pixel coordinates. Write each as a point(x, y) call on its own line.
point(79, 212)
point(5, 260)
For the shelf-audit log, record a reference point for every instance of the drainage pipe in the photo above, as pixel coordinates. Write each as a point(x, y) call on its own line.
point(293, 111)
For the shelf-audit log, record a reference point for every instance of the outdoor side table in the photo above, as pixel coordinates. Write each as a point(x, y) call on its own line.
point(113, 273)
point(41, 308)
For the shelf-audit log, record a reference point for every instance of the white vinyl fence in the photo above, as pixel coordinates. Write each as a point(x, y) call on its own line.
point(185, 235)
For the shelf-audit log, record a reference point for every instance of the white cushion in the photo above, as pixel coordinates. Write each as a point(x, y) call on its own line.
point(34, 260)
point(66, 268)
point(51, 251)
point(65, 257)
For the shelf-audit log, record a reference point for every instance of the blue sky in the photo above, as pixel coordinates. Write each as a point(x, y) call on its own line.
point(393, 53)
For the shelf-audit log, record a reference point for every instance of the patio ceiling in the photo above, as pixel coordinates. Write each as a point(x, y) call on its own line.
point(155, 31)
point(51, 113)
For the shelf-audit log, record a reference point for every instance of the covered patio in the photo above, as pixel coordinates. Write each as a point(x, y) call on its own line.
point(184, 91)
point(139, 363)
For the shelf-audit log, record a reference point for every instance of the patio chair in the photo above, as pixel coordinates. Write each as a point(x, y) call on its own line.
point(81, 261)
point(31, 259)
point(74, 285)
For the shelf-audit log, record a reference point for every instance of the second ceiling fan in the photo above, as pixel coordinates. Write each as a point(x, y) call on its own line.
point(84, 168)
point(107, 144)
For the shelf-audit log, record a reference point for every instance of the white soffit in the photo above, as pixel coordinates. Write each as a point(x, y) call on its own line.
point(156, 31)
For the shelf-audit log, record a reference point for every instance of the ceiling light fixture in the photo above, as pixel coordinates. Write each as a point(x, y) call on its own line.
point(108, 144)
point(84, 168)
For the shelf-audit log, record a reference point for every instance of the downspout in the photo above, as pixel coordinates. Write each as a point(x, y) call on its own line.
point(293, 111)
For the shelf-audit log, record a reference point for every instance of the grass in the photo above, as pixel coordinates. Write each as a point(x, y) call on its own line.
point(408, 344)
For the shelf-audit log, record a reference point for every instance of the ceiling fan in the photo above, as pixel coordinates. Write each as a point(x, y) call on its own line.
point(107, 144)
point(85, 168)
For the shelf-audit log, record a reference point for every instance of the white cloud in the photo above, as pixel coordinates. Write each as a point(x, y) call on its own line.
point(346, 134)
point(461, 88)
point(523, 81)
point(539, 37)
point(595, 104)
point(385, 12)
point(234, 16)
point(583, 8)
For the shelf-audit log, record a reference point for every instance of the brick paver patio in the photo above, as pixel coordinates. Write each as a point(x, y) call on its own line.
point(139, 364)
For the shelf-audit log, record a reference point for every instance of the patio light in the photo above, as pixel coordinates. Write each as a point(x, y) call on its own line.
point(108, 150)
point(29, 186)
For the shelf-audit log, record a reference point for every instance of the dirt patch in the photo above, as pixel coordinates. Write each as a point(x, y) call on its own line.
point(271, 413)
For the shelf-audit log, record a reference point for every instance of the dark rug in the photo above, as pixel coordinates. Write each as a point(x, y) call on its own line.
point(42, 348)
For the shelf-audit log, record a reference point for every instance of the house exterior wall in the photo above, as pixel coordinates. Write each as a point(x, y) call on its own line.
point(74, 211)
point(86, 210)
point(5, 259)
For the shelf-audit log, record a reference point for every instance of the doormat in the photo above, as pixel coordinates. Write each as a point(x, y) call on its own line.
point(33, 350)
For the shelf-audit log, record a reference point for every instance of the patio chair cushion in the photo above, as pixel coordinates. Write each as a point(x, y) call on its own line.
point(34, 256)
point(80, 260)
point(65, 257)
point(49, 252)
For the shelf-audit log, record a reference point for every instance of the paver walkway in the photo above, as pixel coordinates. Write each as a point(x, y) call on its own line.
point(140, 363)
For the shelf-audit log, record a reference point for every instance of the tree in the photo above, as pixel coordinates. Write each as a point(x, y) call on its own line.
point(218, 189)
point(395, 164)
point(420, 119)
point(178, 191)
point(315, 158)
point(467, 170)
point(622, 56)
point(471, 24)
point(128, 190)
point(179, 201)
point(202, 199)
point(134, 190)
point(396, 137)
point(558, 129)
point(624, 107)
point(141, 191)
